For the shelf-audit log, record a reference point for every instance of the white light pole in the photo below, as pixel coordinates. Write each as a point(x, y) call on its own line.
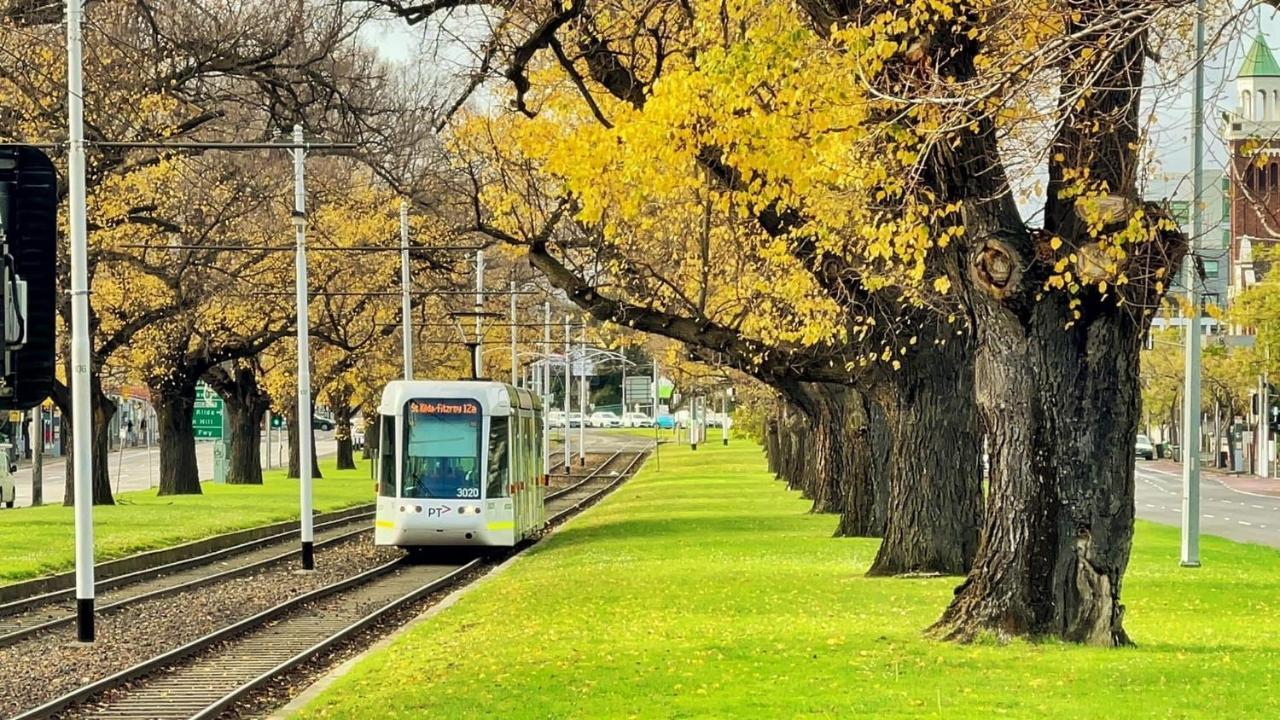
point(477, 350)
point(546, 385)
point(1191, 393)
point(655, 394)
point(582, 400)
point(514, 369)
point(568, 383)
point(81, 422)
point(304, 349)
point(406, 318)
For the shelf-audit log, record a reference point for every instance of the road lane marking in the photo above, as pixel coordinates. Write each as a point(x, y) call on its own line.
point(1242, 522)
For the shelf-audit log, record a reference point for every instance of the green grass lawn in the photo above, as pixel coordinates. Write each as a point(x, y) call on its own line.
point(38, 541)
point(705, 590)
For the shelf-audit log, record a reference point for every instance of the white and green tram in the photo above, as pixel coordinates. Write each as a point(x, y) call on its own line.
point(459, 463)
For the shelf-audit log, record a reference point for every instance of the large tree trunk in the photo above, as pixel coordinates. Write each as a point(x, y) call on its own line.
point(340, 400)
point(103, 409)
point(935, 486)
point(867, 480)
point(1061, 409)
point(174, 401)
point(295, 467)
point(244, 420)
point(246, 405)
point(372, 432)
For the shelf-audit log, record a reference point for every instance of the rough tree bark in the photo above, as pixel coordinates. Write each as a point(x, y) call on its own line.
point(295, 467)
point(340, 401)
point(174, 400)
point(103, 410)
point(246, 405)
point(935, 485)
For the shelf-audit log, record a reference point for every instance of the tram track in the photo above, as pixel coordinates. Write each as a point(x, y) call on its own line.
point(30, 616)
point(208, 676)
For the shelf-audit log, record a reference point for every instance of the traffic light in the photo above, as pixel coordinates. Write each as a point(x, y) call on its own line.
point(28, 272)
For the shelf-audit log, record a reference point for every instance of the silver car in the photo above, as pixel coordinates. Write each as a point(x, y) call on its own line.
point(1143, 448)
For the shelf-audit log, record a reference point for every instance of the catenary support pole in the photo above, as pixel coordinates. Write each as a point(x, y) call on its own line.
point(477, 350)
point(582, 399)
point(724, 416)
point(568, 383)
point(304, 349)
point(1191, 393)
point(515, 377)
point(406, 307)
point(81, 421)
point(37, 456)
point(546, 385)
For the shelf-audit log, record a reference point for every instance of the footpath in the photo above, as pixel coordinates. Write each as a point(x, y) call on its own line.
point(703, 588)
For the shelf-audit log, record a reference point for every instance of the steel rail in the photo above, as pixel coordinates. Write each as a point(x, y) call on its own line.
point(13, 636)
point(362, 581)
point(116, 581)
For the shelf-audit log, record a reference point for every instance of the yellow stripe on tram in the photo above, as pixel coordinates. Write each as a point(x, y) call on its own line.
point(384, 524)
point(502, 525)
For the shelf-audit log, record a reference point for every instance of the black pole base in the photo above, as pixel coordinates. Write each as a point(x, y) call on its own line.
point(693, 446)
point(84, 620)
point(308, 556)
point(725, 441)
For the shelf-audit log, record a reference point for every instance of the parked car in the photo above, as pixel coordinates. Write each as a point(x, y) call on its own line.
point(666, 422)
point(357, 434)
point(8, 489)
point(636, 420)
point(555, 419)
point(319, 423)
point(575, 419)
point(1143, 448)
point(604, 419)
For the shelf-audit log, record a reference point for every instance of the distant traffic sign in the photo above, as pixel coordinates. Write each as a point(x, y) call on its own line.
point(207, 418)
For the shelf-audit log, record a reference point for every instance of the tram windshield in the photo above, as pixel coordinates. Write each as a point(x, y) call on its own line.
point(442, 449)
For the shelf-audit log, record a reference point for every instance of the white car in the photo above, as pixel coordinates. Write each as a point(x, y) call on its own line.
point(604, 419)
point(637, 420)
point(555, 419)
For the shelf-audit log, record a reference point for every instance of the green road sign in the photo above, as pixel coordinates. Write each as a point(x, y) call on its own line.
point(207, 419)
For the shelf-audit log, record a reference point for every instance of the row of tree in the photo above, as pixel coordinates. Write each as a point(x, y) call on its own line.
point(829, 197)
point(190, 248)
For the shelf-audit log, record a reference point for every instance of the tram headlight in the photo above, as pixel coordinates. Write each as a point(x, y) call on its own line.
point(417, 508)
point(403, 509)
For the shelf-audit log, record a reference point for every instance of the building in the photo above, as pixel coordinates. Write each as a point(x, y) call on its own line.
point(1252, 132)
point(1213, 245)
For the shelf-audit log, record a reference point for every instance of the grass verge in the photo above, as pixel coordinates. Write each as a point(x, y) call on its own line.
point(706, 590)
point(39, 541)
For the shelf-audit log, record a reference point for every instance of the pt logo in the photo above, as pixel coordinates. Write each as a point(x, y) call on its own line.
point(438, 511)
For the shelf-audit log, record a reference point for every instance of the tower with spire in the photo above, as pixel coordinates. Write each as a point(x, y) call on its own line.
point(1253, 139)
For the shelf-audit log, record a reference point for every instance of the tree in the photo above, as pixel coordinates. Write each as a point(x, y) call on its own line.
point(866, 138)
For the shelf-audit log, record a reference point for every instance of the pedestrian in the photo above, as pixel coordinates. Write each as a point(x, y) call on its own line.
point(128, 432)
point(142, 428)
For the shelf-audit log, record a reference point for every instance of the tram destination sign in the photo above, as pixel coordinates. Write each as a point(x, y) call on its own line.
point(207, 418)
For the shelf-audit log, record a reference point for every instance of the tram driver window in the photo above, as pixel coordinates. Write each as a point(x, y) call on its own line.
point(497, 485)
point(442, 451)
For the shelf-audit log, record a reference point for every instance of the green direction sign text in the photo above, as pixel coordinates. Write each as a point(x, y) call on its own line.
point(206, 420)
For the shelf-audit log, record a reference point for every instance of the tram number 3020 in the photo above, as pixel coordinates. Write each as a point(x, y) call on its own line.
point(468, 492)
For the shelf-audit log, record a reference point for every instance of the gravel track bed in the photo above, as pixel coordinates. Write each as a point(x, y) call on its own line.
point(279, 692)
point(51, 664)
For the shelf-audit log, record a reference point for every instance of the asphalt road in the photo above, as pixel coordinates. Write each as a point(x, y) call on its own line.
point(139, 469)
point(1233, 514)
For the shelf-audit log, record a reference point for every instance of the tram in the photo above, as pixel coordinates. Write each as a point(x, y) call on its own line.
point(459, 463)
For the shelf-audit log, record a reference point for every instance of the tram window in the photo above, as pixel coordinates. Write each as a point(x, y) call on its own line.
point(496, 486)
point(442, 449)
point(387, 457)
